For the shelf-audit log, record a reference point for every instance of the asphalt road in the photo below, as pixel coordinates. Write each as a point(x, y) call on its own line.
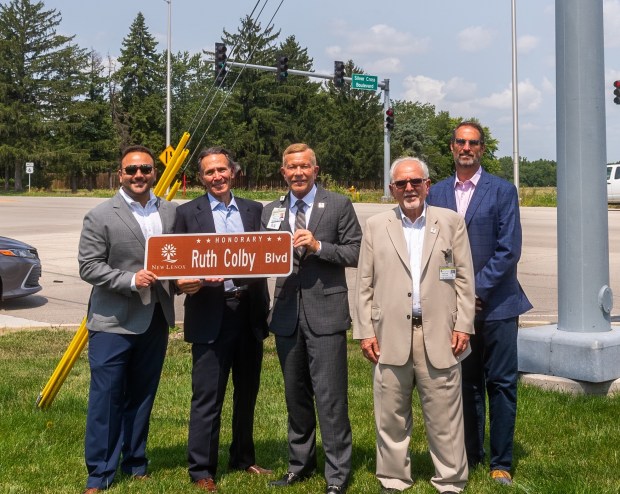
point(53, 226)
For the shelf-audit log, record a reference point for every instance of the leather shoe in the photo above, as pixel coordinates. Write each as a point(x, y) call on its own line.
point(207, 484)
point(501, 477)
point(255, 469)
point(335, 489)
point(92, 490)
point(289, 478)
point(145, 476)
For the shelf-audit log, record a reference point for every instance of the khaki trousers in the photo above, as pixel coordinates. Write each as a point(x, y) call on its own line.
point(442, 408)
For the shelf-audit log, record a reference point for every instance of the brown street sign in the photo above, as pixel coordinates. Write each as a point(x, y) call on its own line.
point(215, 255)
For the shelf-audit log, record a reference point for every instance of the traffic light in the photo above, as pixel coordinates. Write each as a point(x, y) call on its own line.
point(338, 74)
point(617, 92)
point(220, 63)
point(389, 119)
point(282, 68)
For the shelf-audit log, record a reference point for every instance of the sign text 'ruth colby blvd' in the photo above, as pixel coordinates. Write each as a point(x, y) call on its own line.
point(215, 255)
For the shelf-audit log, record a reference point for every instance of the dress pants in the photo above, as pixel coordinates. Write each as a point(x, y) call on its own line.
point(124, 375)
point(315, 370)
point(491, 369)
point(235, 348)
point(440, 396)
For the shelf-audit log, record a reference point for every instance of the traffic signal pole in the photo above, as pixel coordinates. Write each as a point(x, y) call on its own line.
point(387, 138)
point(384, 86)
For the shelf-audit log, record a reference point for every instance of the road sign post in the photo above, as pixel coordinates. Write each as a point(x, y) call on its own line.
point(29, 171)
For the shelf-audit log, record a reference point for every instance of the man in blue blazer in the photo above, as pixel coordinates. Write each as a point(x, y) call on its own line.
point(129, 313)
point(226, 323)
point(490, 207)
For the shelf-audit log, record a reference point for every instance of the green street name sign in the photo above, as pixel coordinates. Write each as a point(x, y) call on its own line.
point(363, 81)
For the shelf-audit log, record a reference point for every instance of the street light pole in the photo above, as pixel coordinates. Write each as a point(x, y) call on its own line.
point(168, 74)
point(515, 101)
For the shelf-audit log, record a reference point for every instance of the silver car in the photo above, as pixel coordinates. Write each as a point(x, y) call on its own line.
point(20, 269)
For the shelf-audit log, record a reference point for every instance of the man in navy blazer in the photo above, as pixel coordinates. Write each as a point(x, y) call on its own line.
point(226, 322)
point(129, 313)
point(490, 206)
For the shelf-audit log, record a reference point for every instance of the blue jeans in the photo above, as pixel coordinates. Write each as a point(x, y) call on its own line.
point(491, 369)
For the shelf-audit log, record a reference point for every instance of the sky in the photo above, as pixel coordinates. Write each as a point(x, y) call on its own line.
point(455, 55)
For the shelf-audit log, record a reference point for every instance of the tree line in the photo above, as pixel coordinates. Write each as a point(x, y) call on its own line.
point(70, 112)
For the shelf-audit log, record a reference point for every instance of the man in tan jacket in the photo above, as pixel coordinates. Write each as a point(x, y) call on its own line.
point(415, 312)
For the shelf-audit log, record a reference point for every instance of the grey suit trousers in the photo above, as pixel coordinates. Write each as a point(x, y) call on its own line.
point(315, 369)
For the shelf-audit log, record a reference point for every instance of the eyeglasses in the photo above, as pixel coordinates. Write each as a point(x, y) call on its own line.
point(472, 142)
point(133, 169)
point(415, 182)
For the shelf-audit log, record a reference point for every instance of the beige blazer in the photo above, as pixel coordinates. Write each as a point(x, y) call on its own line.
point(384, 287)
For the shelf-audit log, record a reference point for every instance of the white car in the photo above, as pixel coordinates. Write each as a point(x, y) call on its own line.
point(613, 183)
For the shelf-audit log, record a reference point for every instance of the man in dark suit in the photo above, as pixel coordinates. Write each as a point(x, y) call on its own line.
point(129, 314)
point(310, 317)
point(226, 322)
point(490, 206)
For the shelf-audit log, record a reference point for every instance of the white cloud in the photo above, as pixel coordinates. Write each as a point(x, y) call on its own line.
point(527, 44)
point(424, 89)
point(474, 39)
point(548, 86)
point(611, 21)
point(530, 98)
point(334, 51)
point(384, 40)
point(390, 65)
point(378, 49)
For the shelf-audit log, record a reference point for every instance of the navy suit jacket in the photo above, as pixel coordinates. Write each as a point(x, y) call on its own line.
point(494, 229)
point(204, 310)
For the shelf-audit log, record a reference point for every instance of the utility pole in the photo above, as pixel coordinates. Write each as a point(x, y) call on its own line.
point(583, 345)
point(168, 74)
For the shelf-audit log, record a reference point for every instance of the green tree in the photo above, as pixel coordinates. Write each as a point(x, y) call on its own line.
point(249, 119)
point(350, 135)
point(40, 77)
point(141, 95)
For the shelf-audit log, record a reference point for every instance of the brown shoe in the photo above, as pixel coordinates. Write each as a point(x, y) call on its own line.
point(146, 476)
point(207, 484)
point(255, 469)
point(91, 490)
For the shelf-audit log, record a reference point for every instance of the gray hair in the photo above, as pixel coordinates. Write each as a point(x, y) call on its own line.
point(397, 162)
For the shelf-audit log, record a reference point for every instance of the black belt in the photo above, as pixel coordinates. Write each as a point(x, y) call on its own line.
point(238, 294)
point(416, 320)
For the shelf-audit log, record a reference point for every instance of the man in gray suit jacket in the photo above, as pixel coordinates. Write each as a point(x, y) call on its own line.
point(310, 317)
point(415, 312)
point(129, 314)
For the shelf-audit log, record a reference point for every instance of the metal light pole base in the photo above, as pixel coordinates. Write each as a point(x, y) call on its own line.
point(591, 357)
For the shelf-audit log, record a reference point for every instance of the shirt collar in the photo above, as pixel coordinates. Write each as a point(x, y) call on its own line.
point(152, 198)
point(215, 203)
point(308, 198)
point(419, 220)
point(474, 180)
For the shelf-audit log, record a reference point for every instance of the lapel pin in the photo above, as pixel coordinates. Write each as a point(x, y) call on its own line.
point(321, 204)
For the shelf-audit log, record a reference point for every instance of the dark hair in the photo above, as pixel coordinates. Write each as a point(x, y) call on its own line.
point(219, 150)
point(469, 123)
point(137, 148)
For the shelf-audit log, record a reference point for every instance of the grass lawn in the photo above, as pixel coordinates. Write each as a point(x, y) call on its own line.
point(564, 444)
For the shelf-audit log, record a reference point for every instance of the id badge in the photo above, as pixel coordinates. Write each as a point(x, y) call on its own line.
point(277, 217)
point(447, 273)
